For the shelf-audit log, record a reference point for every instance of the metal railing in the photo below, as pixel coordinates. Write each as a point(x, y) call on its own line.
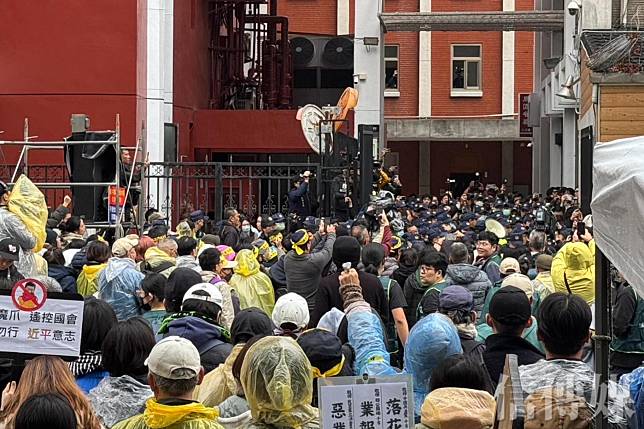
point(251, 187)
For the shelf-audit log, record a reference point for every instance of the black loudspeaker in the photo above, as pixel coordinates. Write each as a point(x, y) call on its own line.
point(366, 136)
point(91, 163)
point(586, 185)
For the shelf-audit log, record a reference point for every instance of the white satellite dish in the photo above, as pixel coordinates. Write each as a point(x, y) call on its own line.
point(310, 117)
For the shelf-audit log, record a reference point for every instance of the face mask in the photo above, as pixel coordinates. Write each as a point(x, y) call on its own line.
point(246, 228)
point(479, 204)
point(280, 226)
point(506, 212)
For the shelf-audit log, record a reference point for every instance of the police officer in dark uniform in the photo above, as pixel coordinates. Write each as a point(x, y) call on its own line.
point(342, 190)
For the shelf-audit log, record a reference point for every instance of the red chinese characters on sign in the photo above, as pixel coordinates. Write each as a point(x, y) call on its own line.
point(525, 130)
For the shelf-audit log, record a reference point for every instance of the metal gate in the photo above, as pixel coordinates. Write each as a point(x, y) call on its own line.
point(253, 188)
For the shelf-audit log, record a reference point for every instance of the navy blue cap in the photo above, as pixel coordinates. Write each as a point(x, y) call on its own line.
point(310, 223)
point(455, 298)
point(468, 217)
point(436, 233)
point(198, 215)
point(279, 218)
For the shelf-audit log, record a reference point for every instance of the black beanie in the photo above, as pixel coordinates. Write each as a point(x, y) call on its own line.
point(346, 249)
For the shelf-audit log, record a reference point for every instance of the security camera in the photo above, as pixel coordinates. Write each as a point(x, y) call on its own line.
point(573, 7)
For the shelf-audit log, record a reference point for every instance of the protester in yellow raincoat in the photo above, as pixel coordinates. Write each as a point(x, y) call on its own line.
point(278, 382)
point(158, 261)
point(253, 287)
point(573, 270)
point(98, 253)
point(175, 371)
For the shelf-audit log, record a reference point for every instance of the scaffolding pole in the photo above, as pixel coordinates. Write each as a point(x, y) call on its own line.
point(61, 145)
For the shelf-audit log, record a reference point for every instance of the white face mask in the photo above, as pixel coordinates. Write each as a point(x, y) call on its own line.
point(479, 204)
point(506, 212)
point(280, 226)
point(246, 228)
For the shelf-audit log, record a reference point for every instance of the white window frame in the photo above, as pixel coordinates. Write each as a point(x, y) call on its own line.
point(392, 92)
point(467, 92)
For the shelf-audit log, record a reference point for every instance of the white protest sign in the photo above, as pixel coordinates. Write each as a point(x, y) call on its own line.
point(33, 323)
point(376, 403)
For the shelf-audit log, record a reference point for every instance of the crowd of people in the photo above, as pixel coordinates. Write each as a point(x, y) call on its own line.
point(205, 324)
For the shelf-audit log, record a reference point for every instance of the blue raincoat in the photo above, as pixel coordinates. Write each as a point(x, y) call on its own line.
point(118, 284)
point(431, 340)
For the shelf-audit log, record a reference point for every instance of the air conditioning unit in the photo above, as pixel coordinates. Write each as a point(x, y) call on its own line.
point(322, 52)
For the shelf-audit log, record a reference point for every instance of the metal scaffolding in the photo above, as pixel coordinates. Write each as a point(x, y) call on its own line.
point(114, 141)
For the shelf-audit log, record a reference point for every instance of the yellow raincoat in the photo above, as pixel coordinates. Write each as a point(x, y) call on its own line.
point(158, 261)
point(253, 287)
point(219, 384)
point(87, 282)
point(577, 261)
point(278, 382)
point(157, 416)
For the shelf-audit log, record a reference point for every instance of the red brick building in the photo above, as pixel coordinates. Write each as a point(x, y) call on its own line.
point(436, 130)
point(151, 61)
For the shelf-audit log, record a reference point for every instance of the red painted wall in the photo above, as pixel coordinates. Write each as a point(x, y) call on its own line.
point(63, 58)
point(249, 131)
point(310, 16)
point(191, 80)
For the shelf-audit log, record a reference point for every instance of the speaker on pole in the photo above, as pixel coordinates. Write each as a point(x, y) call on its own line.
point(91, 163)
point(367, 134)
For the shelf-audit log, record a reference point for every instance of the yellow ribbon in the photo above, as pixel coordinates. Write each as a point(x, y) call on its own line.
point(301, 242)
point(329, 373)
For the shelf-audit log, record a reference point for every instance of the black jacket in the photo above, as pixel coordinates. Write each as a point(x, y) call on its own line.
point(9, 277)
point(328, 296)
point(66, 276)
point(229, 235)
point(210, 340)
point(497, 346)
point(298, 201)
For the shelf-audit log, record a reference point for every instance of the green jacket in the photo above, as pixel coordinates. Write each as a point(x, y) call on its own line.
point(157, 416)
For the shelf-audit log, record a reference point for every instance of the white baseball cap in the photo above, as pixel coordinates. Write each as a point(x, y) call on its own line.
point(171, 354)
point(205, 292)
point(291, 308)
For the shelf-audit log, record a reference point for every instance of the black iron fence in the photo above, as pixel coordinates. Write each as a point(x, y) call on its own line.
point(41, 174)
point(251, 187)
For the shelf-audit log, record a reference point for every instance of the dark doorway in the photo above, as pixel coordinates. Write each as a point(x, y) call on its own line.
point(459, 182)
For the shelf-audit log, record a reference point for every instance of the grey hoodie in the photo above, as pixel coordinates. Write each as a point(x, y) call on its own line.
point(472, 279)
point(188, 261)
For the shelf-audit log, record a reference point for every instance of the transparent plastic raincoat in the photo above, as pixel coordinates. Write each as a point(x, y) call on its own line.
point(118, 285)
point(157, 416)
point(457, 408)
point(634, 382)
point(253, 287)
point(366, 335)
point(579, 379)
point(277, 378)
point(25, 220)
point(432, 339)
point(118, 398)
point(218, 384)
